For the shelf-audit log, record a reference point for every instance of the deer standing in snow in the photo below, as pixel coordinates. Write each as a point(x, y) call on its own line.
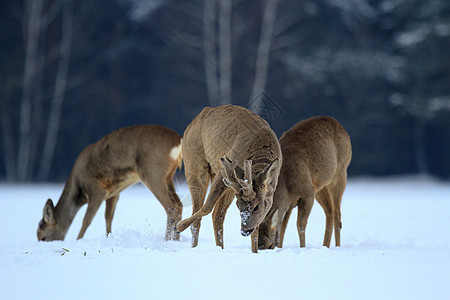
point(240, 155)
point(146, 153)
point(316, 154)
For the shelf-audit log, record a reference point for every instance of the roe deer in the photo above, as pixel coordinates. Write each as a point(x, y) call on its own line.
point(238, 152)
point(147, 153)
point(316, 154)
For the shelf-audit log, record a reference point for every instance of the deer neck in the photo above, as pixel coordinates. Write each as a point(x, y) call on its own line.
point(68, 206)
point(263, 151)
point(261, 158)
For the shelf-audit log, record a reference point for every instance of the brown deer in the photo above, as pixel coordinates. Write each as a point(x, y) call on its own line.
point(316, 154)
point(146, 153)
point(240, 155)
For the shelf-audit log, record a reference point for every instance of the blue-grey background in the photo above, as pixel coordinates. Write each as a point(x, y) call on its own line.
point(73, 71)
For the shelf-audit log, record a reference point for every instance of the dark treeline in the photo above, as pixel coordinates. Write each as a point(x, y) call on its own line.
point(73, 71)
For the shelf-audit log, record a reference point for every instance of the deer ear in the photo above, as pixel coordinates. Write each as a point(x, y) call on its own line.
point(269, 173)
point(226, 168)
point(48, 212)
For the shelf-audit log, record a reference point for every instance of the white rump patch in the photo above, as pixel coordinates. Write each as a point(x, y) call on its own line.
point(176, 151)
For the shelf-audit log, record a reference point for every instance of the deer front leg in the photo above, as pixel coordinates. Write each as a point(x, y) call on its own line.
point(217, 188)
point(198, 180)
point(109, 212)
point(254, 239)
point(219, 213)
point(283, 228)
point(93, 206)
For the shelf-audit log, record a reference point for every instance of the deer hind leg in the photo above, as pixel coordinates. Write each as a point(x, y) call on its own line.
point(159, 188)
point(337, 191)
point(109, 212)
point(324, 197)
point(93, 206)
point(337, 226)
point(176, 210)
point(304, 209)
point(218, 216)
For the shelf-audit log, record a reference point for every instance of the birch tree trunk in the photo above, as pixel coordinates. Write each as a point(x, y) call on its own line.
point(263, 52)
point(59, 91)
point(225, 58)
point(210, 53)
point(32, 24)
point(37, 114)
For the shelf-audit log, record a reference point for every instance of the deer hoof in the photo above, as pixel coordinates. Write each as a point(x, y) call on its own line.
point(180, 227)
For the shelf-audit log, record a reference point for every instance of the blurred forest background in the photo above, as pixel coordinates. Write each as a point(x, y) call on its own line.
point(74, 70)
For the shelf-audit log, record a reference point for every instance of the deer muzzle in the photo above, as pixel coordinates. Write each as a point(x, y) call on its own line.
point(246, 232)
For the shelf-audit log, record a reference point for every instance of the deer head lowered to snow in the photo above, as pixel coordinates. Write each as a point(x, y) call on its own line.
point(147, 153)
point(316, 155)
point(240, 155)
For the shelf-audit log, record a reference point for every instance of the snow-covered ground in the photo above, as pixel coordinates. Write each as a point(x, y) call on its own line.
point(395, 245)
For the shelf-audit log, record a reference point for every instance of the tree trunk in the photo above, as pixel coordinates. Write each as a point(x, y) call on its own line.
point(59, 91)
point(225, 58)
point(8, 145)
point(37, 115)
point(263, 53)
point(210, 53)
point(32, 23)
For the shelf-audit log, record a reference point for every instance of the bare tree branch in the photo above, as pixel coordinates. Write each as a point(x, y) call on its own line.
point(50, 14)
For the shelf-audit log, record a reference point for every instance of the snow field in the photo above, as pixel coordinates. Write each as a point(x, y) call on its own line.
point(395, 245)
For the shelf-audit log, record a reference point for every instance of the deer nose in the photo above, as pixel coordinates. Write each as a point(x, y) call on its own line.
point(246, 232)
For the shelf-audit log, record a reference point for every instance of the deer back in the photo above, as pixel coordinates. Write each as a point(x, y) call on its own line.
point(234, 132)
point(121, 157)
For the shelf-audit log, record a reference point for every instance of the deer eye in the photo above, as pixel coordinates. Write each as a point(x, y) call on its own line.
point(256, 208)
